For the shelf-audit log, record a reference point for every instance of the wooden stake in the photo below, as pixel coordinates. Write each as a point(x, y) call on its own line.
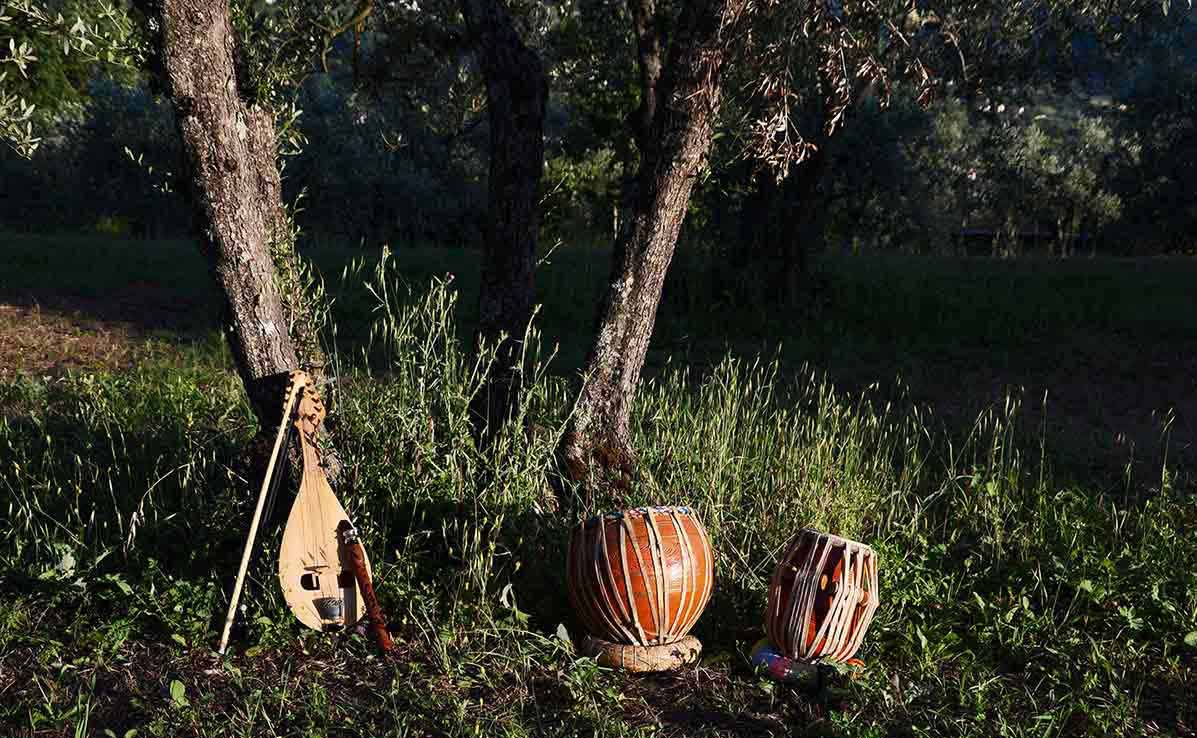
point(298, 380)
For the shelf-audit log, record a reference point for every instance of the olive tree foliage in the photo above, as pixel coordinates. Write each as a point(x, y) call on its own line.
point(792, 166)
point(1054, 170)
point(824, 143)
point(1040, 170)
point(52, 51)
point(279, 46)
point(41, 35)
point(1083, 153)
point(875, 194)
point(382, 126)
point(591, 65)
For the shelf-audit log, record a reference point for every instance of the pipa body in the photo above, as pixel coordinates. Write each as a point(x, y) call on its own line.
point(822, 597)
point(642, 576)
point(315, 567)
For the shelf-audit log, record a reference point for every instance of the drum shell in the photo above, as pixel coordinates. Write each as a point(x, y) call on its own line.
point(641, 576)
point(822, 597)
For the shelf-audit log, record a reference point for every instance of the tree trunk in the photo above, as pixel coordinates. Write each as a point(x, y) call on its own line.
point(596, 447)
point(516, 90)
point(646, 28)
point(230, 150)
point(793, 226)
point(648, 32)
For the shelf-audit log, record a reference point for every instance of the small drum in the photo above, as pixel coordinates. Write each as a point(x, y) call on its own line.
point(640, 577)
point(822, 597)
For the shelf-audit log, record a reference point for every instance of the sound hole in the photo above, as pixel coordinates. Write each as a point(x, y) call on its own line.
point(310, 582)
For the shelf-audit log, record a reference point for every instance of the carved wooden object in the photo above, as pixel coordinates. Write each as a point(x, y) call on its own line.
point(314, 569)
point(356, 555)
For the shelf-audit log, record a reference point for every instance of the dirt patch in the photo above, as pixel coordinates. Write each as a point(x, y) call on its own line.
point(59, 321)
point(39, 340)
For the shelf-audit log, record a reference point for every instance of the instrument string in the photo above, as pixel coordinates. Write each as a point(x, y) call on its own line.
point(314, 527)
point(276, 482)
point(330, 558)
point(321, 531)
point(280, 461)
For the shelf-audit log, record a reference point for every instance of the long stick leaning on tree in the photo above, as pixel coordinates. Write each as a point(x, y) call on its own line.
point(298, 380)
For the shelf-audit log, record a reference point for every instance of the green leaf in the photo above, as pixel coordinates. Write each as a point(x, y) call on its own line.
point(120, 584)
point(178, 693)
point(66, 560)
point(1191, 639)
point(563, 636)
point(179, 639)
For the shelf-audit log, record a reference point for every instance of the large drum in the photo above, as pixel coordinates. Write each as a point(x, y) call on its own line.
point(640, 577)
point(822, 597)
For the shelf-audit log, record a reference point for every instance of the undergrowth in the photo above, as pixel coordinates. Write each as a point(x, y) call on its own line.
point(1011, 604)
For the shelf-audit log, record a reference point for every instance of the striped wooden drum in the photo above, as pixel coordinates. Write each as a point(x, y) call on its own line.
point(642, 576)
point(822, 597)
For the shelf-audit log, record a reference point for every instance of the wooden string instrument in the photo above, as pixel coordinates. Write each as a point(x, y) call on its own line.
point(314, 563)
point(323, 569)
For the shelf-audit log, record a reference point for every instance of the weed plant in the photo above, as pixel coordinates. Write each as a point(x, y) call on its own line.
point(1012, 605)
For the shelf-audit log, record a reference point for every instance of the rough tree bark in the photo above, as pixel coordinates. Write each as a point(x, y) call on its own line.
point(596, 447)
point(230, 152)
point(516, 90)
point(647, 29)
point(778, 219)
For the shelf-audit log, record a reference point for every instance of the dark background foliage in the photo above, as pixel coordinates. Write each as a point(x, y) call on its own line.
point(1082, 146)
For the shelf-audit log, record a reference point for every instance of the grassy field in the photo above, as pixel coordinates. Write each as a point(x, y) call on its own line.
point(1110, 343)
point(1026, 590)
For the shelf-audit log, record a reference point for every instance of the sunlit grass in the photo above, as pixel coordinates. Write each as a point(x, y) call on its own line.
point(1012, 604)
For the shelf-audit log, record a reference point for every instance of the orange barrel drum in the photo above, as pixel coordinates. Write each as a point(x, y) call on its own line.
point(822, 597)
point(640, 576)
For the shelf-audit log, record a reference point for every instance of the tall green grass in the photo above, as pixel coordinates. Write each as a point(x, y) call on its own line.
point(1011, 604)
